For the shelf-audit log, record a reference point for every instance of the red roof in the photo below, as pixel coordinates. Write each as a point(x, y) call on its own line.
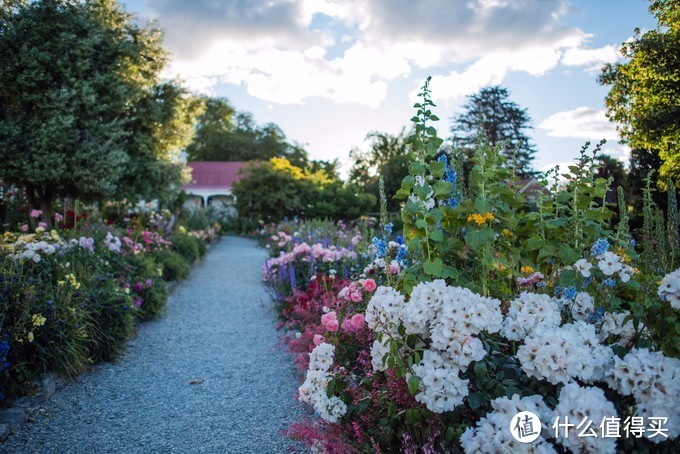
point(214, 175)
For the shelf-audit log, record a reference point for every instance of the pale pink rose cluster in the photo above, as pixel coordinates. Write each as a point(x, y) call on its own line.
point(317, 252)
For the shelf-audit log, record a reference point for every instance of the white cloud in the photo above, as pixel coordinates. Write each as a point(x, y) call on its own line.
point(277, 50)
point(581, 123)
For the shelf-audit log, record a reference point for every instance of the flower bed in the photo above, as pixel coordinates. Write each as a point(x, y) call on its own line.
point(72, 297)
point(490, 305)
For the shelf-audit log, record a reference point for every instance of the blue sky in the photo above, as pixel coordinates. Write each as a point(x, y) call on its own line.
point(330, 71)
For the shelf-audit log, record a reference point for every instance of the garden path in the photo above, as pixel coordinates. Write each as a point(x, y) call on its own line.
point(218, 334)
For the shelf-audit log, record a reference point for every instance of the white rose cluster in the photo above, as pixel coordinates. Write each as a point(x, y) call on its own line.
point(582, 307)
point(616, 325)
point(529, 312)
point(562, 353)
point(584, 403)
point(491, 434)
point(441, 387)
point(313, 390)
point(669, 290)
point(33, 251)
point(379, 349)
point(382, 312)
point(654, 381)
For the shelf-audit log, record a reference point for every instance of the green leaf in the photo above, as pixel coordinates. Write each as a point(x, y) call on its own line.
point(476, 238)
point(475, 400)
point(442, 189)
point(568, 255)
point(413, 384)
point(480, 370)
point(433, 268)
point(437, 168)
point(534, 243)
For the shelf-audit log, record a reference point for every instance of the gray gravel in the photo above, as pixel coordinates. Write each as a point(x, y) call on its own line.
point(219, 331)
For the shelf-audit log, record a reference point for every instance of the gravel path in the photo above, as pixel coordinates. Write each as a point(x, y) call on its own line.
point(219, 331)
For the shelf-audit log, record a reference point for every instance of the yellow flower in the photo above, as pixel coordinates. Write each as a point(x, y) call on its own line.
point(480, 219)
point(127, 290)
point(527, 269)
point(30, 336)
point(624, 256)
point(74, 282)
point(506, 233)
point(60, 283)
point(39, 229)
point(501, 267)
point(38, 320)
point(182, 229)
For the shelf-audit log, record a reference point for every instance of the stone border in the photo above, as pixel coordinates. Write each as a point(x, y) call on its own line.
point(24, 408)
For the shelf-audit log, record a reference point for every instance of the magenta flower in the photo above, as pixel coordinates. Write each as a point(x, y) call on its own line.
point(148, 283)
point(24, 228)
point(42, 224)
point(138, 287)
point(36, 213)
point(369, 285)
point(58, 217)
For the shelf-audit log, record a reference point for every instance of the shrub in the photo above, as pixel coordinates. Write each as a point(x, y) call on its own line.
point(174, 266)
point(186, 246)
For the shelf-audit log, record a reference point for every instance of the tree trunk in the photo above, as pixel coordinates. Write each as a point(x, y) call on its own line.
point(39, 200)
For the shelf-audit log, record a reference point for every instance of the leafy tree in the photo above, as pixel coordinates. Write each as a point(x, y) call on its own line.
point(644, 98)
point(81, 104)
point(386, 158)
point(274, 190)
point(491, 119)
point(223, 134)
point(611, 168)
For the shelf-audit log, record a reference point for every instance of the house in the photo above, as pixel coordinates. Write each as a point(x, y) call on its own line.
point(212, 182)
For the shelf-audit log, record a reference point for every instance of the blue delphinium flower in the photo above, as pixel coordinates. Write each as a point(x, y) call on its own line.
point(600, 247)
point(597, 315)
point(388, 228)
point(380, 247)
point(609, 282)
point(401, 256)
point(632, 242)
point(568, 293)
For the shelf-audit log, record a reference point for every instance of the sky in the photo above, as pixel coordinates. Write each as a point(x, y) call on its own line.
point(330, 71)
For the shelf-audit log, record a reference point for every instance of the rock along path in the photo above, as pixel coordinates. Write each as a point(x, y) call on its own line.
point(219, 333)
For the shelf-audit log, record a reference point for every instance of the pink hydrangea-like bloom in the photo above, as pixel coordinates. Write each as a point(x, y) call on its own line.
point(347, 325)
point(369, 285)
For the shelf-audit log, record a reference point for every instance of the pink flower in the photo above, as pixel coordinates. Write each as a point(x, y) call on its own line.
point(58, 217)
point(139, 302)
point(24, 228)
point(332, 325)
point(42, 224)
point(138, 287)
point(328, 317)
point(394, 267)
point(369, 285)
point(318, 339)
point(347, 325)
point(148, 283)
point(358, 321)
point(36, 213)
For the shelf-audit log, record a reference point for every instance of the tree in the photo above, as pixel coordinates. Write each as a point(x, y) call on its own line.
point(491, 119)
point(223, 134)
point(81, 102)
point(644, 98)
point(274, 190)
point(386, 158)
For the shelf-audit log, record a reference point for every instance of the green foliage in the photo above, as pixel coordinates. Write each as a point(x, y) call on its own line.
point(186, 246)
point(276, 190)
point(645, 91)
point(492, 120)
point(84, 113)
point(386, 159)
point(173, 265)
point(224, 135)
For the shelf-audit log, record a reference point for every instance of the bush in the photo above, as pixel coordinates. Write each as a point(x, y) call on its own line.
point(186, 246)
point(173, 265)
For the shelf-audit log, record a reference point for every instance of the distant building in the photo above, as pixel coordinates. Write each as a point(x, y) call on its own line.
point(212, 182)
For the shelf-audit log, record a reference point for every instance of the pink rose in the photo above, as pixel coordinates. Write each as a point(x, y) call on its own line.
point(356, 296)
point(58, 217)
point(347, 325)
point(318, 339)
point(332, 325)
point(394, 268)
point(369, 285)
point(42, 224)
point(329, 317)
point(358, 321)
point(24, 228)
point(36, 213)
